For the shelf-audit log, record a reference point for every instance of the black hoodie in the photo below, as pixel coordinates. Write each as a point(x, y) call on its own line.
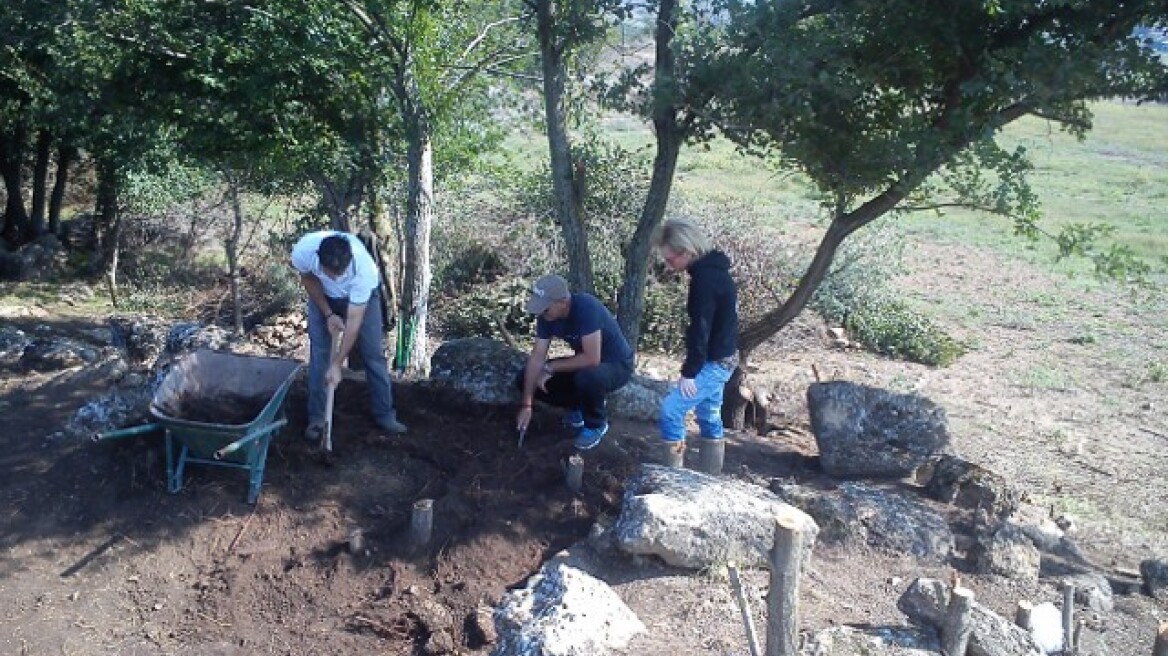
point(713, 313)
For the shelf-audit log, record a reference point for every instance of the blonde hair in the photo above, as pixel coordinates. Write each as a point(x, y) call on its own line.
point(681, 235)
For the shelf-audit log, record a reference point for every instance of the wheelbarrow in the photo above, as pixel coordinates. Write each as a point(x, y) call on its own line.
point(219, 409)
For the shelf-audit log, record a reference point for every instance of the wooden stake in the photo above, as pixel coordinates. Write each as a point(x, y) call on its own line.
point(1022, 614)
point(575, 472)
point(744, 608)
point(957, 626)
point(783, 598)
point(1068, 618)
point(422, 522)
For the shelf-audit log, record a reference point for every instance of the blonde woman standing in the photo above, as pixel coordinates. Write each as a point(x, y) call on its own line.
point(711, 337)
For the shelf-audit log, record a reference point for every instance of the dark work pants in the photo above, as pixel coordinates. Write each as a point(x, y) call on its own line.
point(584, 389)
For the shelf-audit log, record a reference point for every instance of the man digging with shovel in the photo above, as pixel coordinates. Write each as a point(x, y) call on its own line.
point(342, 282)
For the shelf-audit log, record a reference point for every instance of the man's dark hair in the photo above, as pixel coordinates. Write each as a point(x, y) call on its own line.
point(335, 254)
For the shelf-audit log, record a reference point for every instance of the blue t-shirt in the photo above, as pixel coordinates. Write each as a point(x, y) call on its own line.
point(587, 316)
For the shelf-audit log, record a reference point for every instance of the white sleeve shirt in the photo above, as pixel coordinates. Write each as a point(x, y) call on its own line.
point(357, 284)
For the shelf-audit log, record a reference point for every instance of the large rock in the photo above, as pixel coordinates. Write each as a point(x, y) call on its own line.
point(692, 520)
point(873, 641)
point(483, 368)
point(486, 370)
point(1007, 551)
point(855, 513)
point(13, 341)
point(969, 485)
point(563, 612)
point(865, 432)
point(55, 354)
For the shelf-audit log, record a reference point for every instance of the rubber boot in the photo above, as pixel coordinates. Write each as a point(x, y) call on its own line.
point(672, 454)
point(711, 452)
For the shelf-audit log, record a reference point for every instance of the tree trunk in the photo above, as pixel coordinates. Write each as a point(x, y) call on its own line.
point(340, 197)
point(232, 246)
point(415, 296)
point(631, 298)
point(733, 404)
point(40, 178)
point(377, 229)
point(563, 184)
point(65, 157)
point(11, 168)
point(108, 224)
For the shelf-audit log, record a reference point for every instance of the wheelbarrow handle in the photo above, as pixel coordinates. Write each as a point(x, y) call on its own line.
point(248, 439)
point(127, 432)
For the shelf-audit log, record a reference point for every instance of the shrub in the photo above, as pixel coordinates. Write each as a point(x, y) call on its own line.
point(855, 295)
point(891, 328)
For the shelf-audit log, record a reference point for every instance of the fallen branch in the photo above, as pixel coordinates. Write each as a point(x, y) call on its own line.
point(506, 333)
point(1156, 433)
point(239, 534)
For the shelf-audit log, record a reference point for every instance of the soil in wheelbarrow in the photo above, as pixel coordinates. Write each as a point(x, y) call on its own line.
point(322, 564)
point(223, 408)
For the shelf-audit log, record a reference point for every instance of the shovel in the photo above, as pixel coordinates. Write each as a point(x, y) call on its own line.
point(326, 442)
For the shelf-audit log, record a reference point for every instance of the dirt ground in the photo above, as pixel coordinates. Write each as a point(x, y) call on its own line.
point(99, 559)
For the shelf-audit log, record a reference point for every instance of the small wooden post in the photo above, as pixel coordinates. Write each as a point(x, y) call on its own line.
point(783, 599)
point(421, 522)
point(1022, 614)
point(575, 472)
point(1068, 618)
point(957, 627)
point(744, 608)
point(356, 541)
point(711, 454)
point(1161, 646)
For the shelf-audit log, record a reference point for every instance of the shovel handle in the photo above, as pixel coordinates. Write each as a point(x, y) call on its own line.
point(327, 439)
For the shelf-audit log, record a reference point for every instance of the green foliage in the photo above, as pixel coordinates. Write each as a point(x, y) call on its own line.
point(664, 320)
point(856, 296)
point(475, 264)
point(1157, 372)
point(155, 191)
point(891, 328)
point(486, 309)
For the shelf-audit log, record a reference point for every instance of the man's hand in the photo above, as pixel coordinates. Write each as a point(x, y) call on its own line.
point(688, 387)
point(332, 377)
point(523, 418)
point(335, 323)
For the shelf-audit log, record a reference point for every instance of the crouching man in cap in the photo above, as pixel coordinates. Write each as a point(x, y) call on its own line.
point(342, 282)
point(602, 361)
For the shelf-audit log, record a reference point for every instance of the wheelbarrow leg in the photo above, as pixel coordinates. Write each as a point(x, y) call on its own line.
point(256, 463)
point(176, 460)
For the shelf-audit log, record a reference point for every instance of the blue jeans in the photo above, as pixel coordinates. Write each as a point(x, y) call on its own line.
point(706, 404)
point(584, 389)
point(368, 347)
